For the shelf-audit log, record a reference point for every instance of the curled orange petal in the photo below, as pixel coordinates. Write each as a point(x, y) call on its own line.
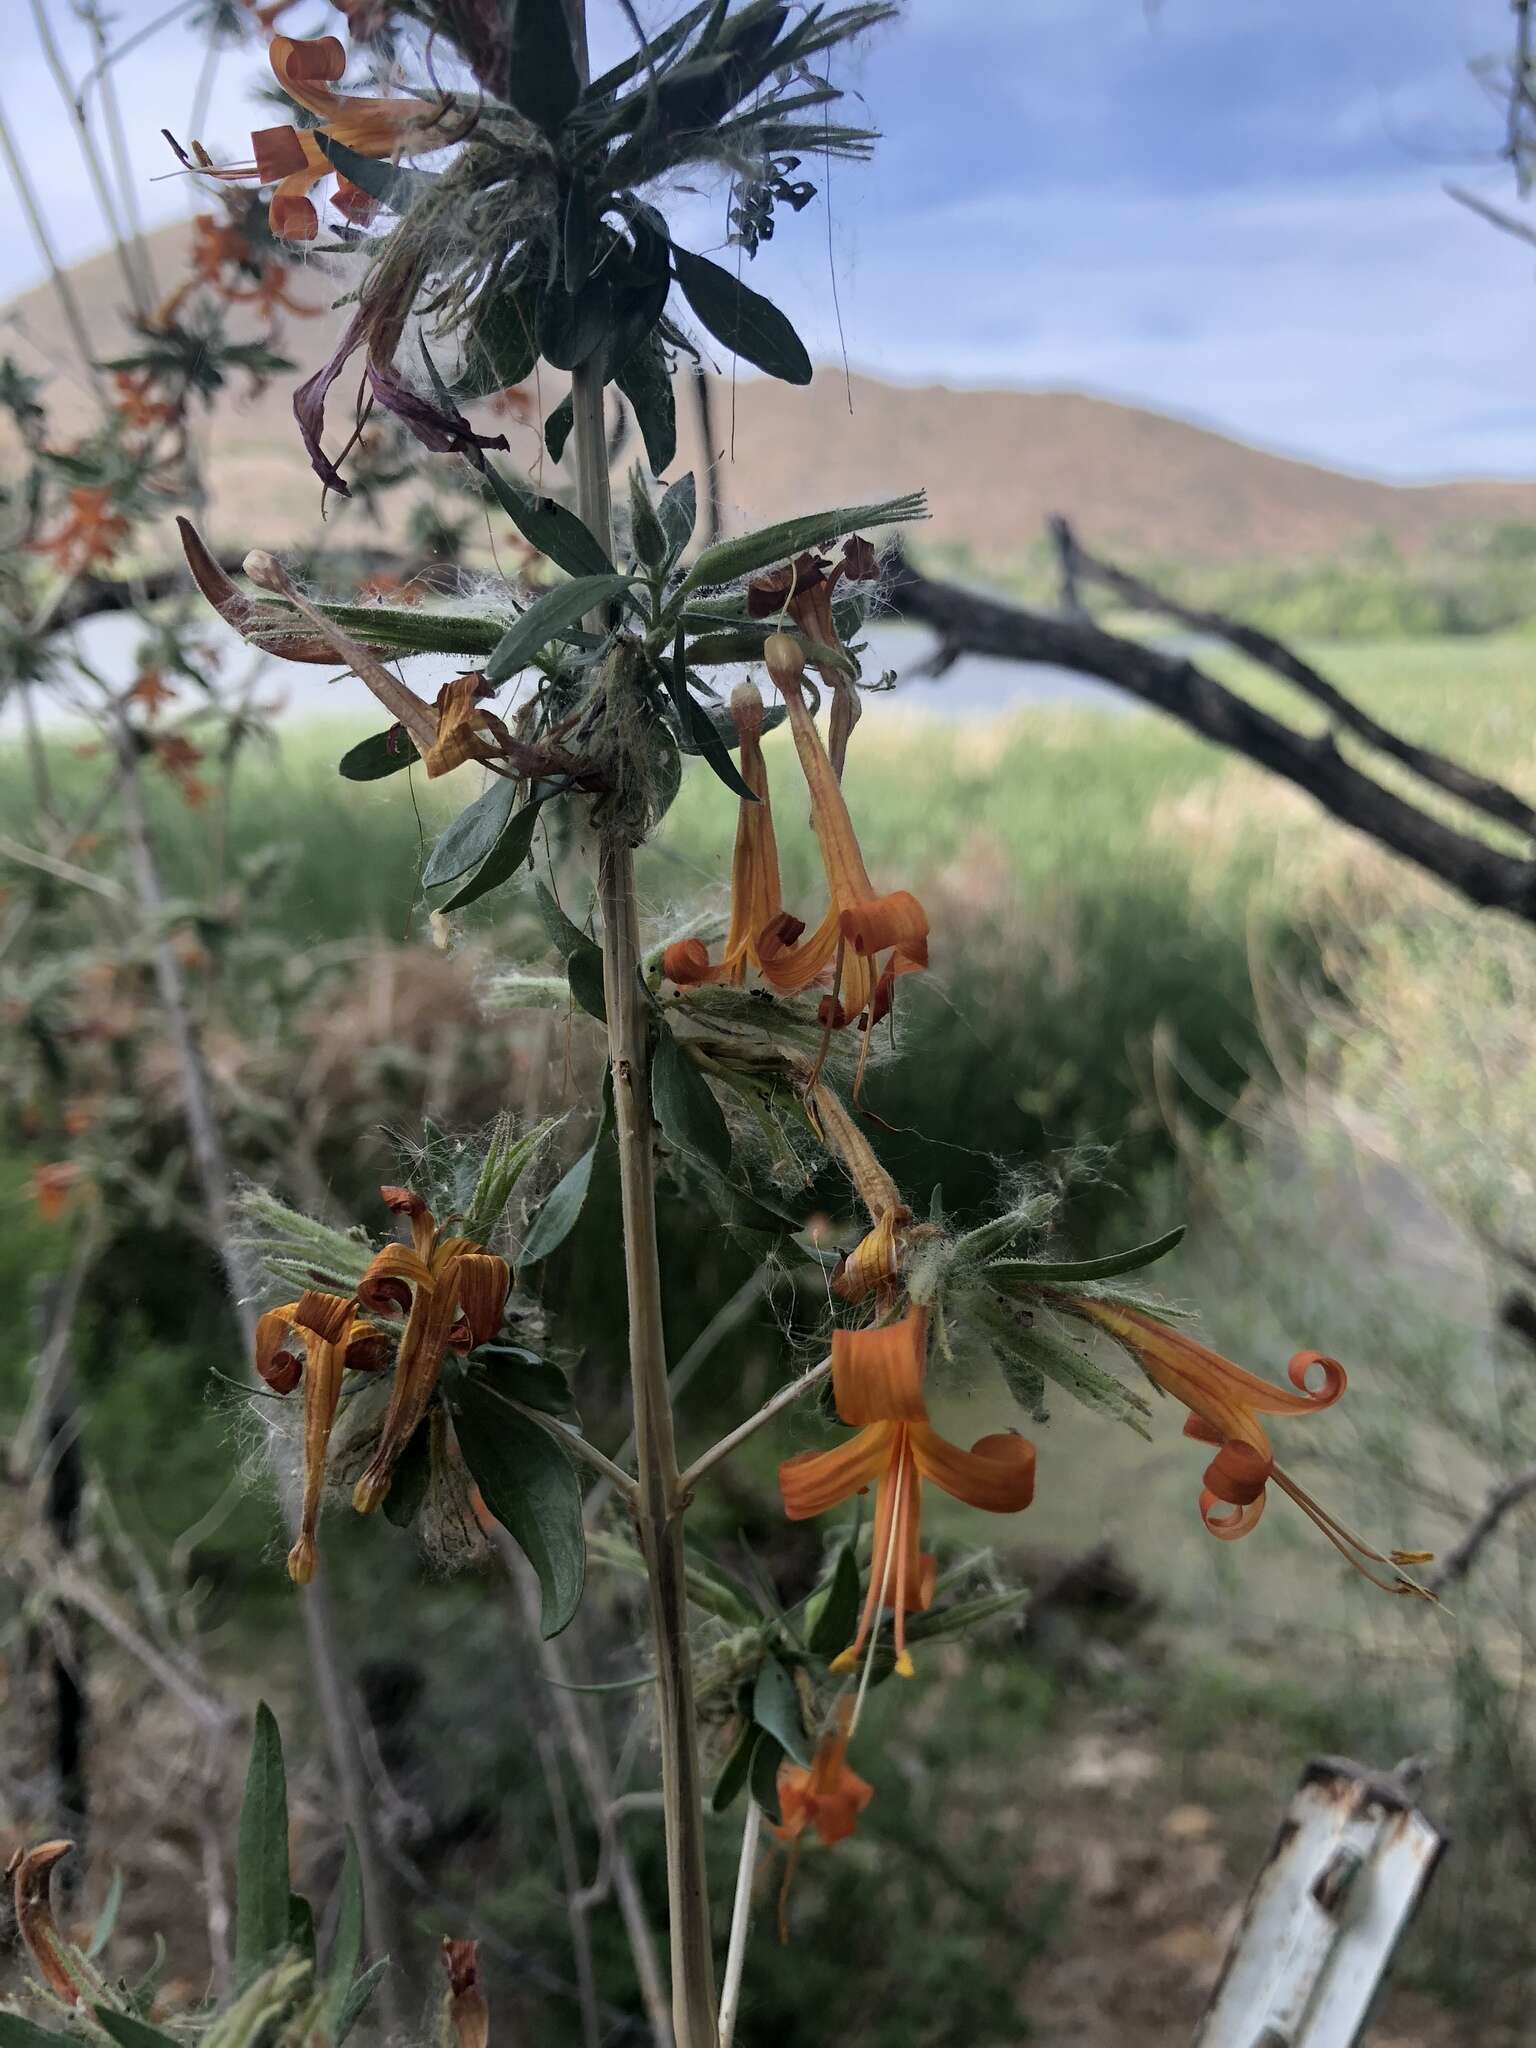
point(814, 1481)
point(997, 1473)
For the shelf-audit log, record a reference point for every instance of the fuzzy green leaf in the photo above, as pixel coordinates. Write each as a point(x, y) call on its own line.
point(381, 754)
point(542, 80)
point(1016, 1275)
point(557, 428)
point(551, 528)
point(261, 1860)
point(736, 1769)
point(685, 1105)
point(551, 617)
point(510, 852)
point(767, 1755)
point(391, 184)
point(679, 512)
point(301, 1926)
point(347, 1941)
point(530, 1486)
point(16, 2032)
point(729, 560)
point(583, 957)
point(412, 1477)
point(742, 319)
point(358, 1997)
point(1042, 1352)
point(125, 2030)
point(523, 1376)
point(646, 382)
point(776, 1707)
point(562, 1205)
point(838, 1615)
point(472, 834)
point(499, 345)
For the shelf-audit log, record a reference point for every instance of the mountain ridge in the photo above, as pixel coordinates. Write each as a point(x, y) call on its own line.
point(996, 462)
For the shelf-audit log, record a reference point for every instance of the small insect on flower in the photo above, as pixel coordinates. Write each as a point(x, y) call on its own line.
point(877, 1378)
point(860, 925)
point(1225, 1404)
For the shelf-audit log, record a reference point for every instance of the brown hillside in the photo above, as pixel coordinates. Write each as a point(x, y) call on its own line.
point(995, 463)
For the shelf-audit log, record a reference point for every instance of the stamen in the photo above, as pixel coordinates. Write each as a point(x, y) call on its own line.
point(1350, 1547)
point(885, 1583)
point(903, 1661)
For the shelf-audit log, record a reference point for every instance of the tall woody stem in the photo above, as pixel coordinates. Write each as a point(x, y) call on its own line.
point(657, 1509)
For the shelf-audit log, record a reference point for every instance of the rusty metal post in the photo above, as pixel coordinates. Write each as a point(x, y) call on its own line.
point(1350, 1863)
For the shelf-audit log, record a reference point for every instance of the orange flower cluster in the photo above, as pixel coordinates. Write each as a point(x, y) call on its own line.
point(90, 536)
point(293, 160)
point(865, 940)
point(451, 1292)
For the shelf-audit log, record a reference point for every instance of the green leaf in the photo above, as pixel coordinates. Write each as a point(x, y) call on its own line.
point(767, 1755)
point(381, 754)
point(557, 428)
point(404, 629)
point(358, 1997)
point(649, 54)
point(16, 2032)
point(510, 853)
point(542, 80)
point(941, 1622)
point(1075, 1374)
point(550, 527)
point(531, 1487)
point(126, 2031)
point(736, 1769)
point(392, 184)
point(413, 1475)
point(499, 345)
point(679, 512)
point(572, 326)
point(562, 1205)
point(776, 1707)
point(729, 560)
point(347, 1941)
point(646, 382)
point(106, 1919)
point(685, 1105)
point(1024, 1273)
point(261, 1860)
point(301, 1926)
point(524, 1376)
point(742, 319)
point(551, 617)
point(583, 956)
point(700, 734)
point(838, 1617)
point(472, 834)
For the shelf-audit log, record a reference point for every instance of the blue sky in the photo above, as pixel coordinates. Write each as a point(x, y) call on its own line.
point(1227, 209)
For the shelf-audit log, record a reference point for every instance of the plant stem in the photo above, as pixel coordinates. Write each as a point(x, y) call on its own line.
point(657, 1514)
point(741, 1921)
point(774, 1405)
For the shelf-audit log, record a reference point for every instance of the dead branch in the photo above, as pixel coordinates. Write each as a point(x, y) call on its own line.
point(1459, 1560)
point(1484, 795)
point(968, 623)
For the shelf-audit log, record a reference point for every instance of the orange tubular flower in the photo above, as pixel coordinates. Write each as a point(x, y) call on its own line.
point(828, 1797)
point(453, 1292)
point(308, 68)
point(89, 537)
point(874, 1264)
point(1225, 1403)
point(877, 1377)
point(466, 731)
point(756, 904)
point(859, 925)
point(333, 1340)
point(805, 589)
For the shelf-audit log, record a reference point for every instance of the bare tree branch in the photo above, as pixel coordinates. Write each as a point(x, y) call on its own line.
point(1459, 1560)
point(1484, 795)
point(968, 623)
